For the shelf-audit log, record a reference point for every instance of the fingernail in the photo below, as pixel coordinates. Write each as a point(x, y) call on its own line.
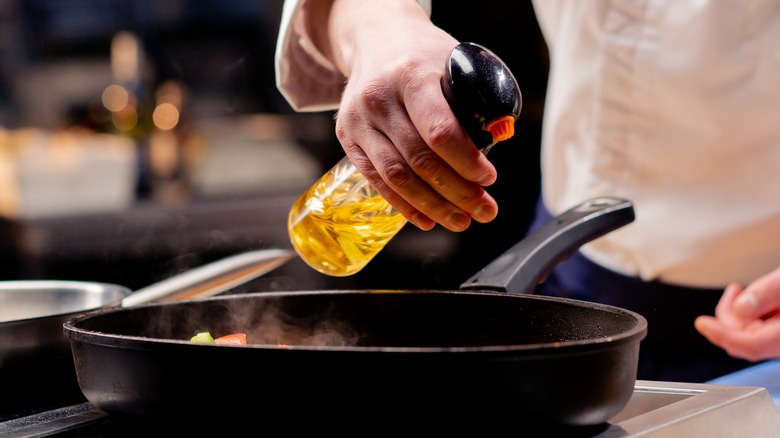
point(487, 179)
point(484, 214)
point(458, 221)
point(423, 222)
point(747, 302)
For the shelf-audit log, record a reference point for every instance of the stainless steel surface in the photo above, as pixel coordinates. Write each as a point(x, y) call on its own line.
point(52, 422)
point(656, 410)
point(27, 299)
point(670, 409)
point(213, 278)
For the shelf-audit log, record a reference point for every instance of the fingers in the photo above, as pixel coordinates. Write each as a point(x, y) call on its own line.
point(724, 311)
point(363, 163)
point(441, 131)
point(757, 340)
point(447, 159)
point(747, 321)
point(712, 329)
point(368, 116)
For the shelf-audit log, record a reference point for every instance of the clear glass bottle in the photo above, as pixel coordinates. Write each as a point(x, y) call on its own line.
point(341, 223)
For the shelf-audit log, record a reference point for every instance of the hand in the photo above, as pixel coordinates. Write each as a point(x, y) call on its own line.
point(747, 321)
point(393, 121)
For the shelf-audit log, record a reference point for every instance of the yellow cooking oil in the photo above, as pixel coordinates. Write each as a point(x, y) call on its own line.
point(341, 222)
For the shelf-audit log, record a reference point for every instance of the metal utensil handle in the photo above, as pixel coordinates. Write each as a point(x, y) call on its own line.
point(529, 262)
point(212, 278)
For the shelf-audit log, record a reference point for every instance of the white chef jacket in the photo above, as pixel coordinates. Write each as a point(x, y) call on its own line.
point(672, 104)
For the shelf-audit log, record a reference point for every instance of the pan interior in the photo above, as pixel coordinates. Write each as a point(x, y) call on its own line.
point(377, 319)
point(27, 299)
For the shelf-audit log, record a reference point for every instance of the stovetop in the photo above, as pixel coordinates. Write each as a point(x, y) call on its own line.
point(656, 409)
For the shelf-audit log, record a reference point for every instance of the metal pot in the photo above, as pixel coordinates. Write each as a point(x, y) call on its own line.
point(36, 363)
point(383, 356)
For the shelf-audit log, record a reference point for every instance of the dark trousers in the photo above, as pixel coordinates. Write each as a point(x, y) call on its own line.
point(673, 350)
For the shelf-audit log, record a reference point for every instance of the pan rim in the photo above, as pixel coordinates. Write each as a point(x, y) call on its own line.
point(586, 346)
point(43, 286)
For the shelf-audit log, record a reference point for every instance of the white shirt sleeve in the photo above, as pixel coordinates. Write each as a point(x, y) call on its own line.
point(305, 77)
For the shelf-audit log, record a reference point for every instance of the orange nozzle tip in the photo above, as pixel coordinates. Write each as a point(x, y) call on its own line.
point(502, 128)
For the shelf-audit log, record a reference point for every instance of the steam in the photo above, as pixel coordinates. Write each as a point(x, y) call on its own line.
point(261, 318)
point(277, 328)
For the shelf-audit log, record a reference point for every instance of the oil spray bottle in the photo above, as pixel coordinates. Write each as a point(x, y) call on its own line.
point(341, 222)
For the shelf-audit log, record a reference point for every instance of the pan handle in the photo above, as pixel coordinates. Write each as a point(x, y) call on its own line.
point(530, 261)
point(212, 278)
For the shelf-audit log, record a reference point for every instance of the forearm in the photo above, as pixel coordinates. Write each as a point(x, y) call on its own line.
point(356, 24)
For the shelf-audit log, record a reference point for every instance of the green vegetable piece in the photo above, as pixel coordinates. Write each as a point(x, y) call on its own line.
point(203, 338)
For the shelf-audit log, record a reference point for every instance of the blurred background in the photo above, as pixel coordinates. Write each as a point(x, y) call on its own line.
point(141, 138)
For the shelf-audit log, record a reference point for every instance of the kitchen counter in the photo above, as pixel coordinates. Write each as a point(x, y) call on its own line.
point(765, 375)
point(655, 410)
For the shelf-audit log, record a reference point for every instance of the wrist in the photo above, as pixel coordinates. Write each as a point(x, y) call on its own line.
point(353, 21)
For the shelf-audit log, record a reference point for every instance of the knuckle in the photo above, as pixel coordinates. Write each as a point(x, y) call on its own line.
point(410, 71)
point(377, 96)
point(369, 172)
point(471, 195)
point(397, 174)
point(342, 130)
point(345, 120)
point(442, 133)
point(426, 165)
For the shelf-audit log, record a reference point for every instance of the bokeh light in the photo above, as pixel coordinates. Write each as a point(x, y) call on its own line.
point(165, 116)
point(115, 98)
point(126, 119)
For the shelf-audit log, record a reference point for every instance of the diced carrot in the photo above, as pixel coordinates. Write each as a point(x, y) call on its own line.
point(233, 338)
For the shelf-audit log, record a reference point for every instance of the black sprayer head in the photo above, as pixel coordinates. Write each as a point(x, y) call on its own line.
point(482, 93)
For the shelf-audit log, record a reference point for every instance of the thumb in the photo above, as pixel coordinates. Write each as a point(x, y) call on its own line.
point(709, 327)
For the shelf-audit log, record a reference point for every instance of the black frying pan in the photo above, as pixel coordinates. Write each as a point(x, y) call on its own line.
point(381, 355)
